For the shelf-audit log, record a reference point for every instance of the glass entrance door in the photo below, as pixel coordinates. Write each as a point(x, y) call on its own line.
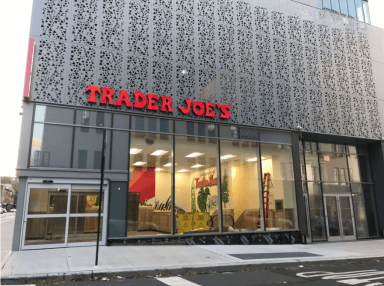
point(62, 215)
point(339, 217)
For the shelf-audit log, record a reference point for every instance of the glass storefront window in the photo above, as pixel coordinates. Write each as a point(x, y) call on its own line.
point(196, 194)
point(354, 170)
point(320, 3)
point(336, 188)
point(152, 124)
point(195, 129)
point(51, 146)
point(85, 201)
point(279, 187)
point(87, 150)
point(54, 114)
point(121, 121)
point(333, 167)
point(84, 229)
point(310, 146)
point(364, 208)
point(302, 167)
point(48, 201)
point(312, 166)
point(150, 185)
point(93, 118)
point(240, 186)
point(334, 148)
point(40, 231)
point(365, 169)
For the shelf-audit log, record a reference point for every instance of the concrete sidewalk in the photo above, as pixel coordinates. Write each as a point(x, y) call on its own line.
point(72, 262)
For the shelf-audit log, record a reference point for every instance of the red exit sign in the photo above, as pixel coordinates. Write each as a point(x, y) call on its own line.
point(155, 102)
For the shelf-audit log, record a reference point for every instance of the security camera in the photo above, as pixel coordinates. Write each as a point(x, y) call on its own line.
point(299, 128)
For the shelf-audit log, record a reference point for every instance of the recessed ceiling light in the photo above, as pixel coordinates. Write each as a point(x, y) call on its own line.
point(252, 159)
point(139, 163)
point(194, 155)
point(227, 157)
point(168, 165)
point(135, 151)
point(182, 171)
point(158, 169)
point(159, 153)
point(197, 166)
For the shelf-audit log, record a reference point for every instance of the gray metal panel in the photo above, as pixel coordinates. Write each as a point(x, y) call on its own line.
point(279, 63)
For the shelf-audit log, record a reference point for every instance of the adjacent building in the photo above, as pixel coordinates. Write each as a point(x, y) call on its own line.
point(226, 122)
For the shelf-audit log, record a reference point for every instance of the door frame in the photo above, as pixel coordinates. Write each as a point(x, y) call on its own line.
point(342, 237)
point(68, 184)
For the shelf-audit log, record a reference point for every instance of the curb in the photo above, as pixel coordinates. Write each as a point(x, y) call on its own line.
point(130, 273)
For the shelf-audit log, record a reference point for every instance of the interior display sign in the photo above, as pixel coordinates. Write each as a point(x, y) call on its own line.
point(155, 102)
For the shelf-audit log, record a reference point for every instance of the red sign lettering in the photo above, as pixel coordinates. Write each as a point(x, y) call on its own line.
point(206, 183)
point(152, 102)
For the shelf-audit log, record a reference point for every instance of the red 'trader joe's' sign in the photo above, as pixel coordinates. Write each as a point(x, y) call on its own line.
point(151, 102)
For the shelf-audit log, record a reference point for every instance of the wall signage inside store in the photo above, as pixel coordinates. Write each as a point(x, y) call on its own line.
point(152, 102)
point(206, 183)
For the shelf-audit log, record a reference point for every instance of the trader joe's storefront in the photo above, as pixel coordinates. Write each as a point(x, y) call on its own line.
point(164, 175)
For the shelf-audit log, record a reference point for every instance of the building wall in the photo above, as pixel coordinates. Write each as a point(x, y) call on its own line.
point(279, 63)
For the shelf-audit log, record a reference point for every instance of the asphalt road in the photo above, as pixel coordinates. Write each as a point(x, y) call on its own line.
point(7, 221)
point(368, 274)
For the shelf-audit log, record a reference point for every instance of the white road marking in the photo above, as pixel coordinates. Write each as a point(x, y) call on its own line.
point(343, 275)
point(176, 281)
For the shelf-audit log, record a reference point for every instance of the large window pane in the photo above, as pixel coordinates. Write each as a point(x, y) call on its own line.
point(85, 201)
point(88, 147)
point(279, 187)
point(152, 124)
point(365, 169)
point(54, 114)
point(335, 6)
point(48, 201)
point(45, 231)
point(121, 121)
point(120, 150)
point(364, 208)
point(93, 118)
point(320, 3)
point(366, 12)
point(334, 148)
point(240, 186)
point(84, 229)
point(344, 7)
point(336, 188)
point(51, 146)
point(316, 212)
point(333, 167)
point(312, 166)
point(196, 129)
point(352, 9)
point(354, 172)
point(149, 197)
point(196, 195)
point(359, 10)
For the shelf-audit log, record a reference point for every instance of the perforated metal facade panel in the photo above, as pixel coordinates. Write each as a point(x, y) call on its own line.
point(278, 63)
